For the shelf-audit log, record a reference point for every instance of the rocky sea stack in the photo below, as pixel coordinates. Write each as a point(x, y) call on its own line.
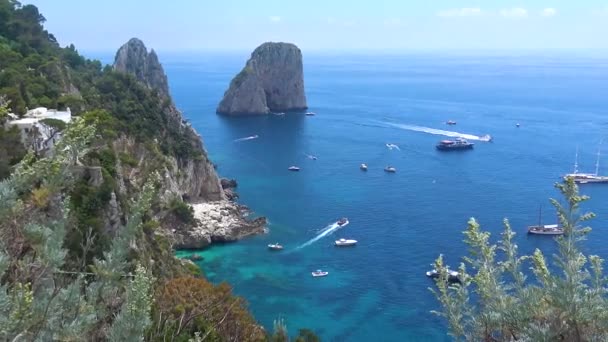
point(271, 81)
point(133, 58)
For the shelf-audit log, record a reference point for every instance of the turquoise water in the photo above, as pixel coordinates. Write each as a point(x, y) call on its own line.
point(377, 290)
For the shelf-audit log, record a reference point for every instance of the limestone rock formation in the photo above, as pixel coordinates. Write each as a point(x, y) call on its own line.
point(193, 179)
point(221, 221)
point(133, 58)
point(271, 81)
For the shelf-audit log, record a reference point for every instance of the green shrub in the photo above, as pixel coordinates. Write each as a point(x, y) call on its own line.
point(182, 210)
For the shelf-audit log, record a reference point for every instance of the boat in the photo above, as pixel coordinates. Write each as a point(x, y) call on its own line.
point(517, 125)
point(390, 169)
point(363, 167)
point(545, 229)
point(345, 242)
point(279, 114)
point(453, 276)
point(342, 222)
point(293, 168)
point(486, 138)
point(454, 145)
point(311, 157)
point(319, 273)
point(584, 178)
point(392, 146)
point(450, 122)
point(275, 246)
point(310, 113)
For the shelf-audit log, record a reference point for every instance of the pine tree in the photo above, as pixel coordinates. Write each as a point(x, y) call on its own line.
point(496, 302)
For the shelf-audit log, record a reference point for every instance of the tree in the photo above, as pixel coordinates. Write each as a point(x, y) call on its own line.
point(40, 297)
point(568, 304)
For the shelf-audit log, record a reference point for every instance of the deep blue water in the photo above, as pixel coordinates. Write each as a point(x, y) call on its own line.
point(378, 290)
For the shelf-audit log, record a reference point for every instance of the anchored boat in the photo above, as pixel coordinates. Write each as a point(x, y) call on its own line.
point(319, 273)
point(345, 242)
point(275, 246)
point(293, 168)
point(363, 167)
point(584, 178)
point(545, 229)
point(453, 276)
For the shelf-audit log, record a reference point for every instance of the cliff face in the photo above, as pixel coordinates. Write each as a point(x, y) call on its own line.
point(192, 179)
point(271, 81)
point(133, 58)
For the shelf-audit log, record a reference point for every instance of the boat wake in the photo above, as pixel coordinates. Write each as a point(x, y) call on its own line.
point(247, 138)
point(392, 146)
point(324, 232)
point(438, 132)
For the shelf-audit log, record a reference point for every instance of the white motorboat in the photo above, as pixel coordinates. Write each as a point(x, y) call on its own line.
point(363, 167)
point(390, 169)
point(342, 222)
point(453, 276)
point(345, 242)
point(293, 168)
point(310, 113)
point(319, 273)
point(486, 138)
point(275, 246)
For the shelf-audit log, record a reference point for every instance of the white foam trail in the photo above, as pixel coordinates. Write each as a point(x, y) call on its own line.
point(247, 138)
point(326, 231)
point(392, 146)
point(435, 131)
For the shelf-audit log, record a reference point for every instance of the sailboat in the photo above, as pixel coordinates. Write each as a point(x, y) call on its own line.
point(583, 178)
point(545, 229)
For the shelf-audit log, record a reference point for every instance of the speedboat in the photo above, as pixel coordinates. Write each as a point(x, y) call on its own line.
point(390, 169)
point(453, 276)
point(345, 242)
point(450, 122)
point(319, 273)
point(517, 124)
point(486, 138)
point(293, 168)
point(310, 113)
point(363, 167)
point(546, 229)
point(310, 156)
point(275, 246)
point(342, 222)
point(392, 146)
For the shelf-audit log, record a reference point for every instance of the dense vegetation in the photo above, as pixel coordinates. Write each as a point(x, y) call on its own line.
point(64, 273)
point(565, 301)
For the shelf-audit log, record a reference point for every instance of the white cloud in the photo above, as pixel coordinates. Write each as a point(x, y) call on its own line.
point(274, 18)
point(548, 12)
point(514, 13)
point(461, 12)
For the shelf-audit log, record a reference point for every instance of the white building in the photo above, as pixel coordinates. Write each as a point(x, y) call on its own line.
point(35, 133)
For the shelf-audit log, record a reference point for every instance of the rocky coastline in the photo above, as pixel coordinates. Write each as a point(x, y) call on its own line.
point(218, 219)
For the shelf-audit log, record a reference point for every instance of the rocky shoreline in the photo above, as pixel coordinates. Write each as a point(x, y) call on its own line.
point(218, 222)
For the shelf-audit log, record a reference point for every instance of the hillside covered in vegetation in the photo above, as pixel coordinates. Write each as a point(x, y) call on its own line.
point(85, 243)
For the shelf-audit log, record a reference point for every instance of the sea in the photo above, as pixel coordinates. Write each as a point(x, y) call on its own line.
point(403, 221)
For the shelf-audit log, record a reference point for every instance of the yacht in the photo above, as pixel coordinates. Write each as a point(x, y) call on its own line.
point(390, 169)
point(275, 246)
point(319, 273)
point(345, 242)
point(545, 229)
point(457, 144)
point(450, 122)
point(453, 276)
point(584, 178)
point(293, 168)
point(310, 113)
point(363, 167)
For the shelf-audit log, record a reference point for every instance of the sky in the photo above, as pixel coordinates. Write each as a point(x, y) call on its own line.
point(180, 25)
